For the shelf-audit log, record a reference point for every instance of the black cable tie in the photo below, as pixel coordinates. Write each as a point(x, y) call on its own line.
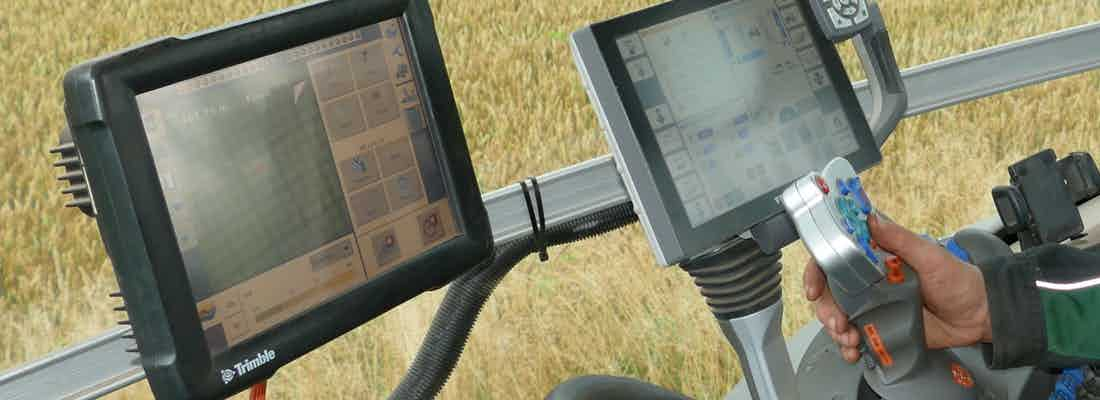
point(538, 225)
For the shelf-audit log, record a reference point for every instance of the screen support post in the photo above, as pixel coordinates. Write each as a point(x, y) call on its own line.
point(741, 284)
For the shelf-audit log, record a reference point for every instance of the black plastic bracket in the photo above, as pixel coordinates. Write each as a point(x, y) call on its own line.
point(774, 234)
point(1040, 206)
point(1081, 175)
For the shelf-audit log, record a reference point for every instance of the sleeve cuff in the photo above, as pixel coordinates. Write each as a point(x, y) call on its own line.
point(1016, 312)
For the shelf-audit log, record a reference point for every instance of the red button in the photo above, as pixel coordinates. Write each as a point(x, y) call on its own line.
point(822, 185)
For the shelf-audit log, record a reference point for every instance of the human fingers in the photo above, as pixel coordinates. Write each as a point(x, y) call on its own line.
point(847, 337)
point(830, 314)
point(850, 354)
point(813, 280)
point(922, 255)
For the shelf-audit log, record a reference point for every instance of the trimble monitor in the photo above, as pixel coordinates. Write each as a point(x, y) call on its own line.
point(265, 187)
point(713, 107)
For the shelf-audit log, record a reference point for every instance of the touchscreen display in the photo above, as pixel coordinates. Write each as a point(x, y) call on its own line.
point(296, 177)
point(739, 101)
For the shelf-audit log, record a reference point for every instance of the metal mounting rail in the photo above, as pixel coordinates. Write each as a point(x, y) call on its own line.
point(100, 366)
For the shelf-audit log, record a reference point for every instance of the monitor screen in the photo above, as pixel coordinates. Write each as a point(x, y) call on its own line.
point(296, 177)
point(739, 100)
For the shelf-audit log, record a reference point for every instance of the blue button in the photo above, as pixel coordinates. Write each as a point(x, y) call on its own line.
point(865, 203)
point(862, 230)
point(956, 250)
point(871, 255)
point(843, 187)
point(855, 184)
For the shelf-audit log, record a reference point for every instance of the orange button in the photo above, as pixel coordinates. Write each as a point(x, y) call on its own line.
point(877, 345)
point(961, 376)
point(894, 274)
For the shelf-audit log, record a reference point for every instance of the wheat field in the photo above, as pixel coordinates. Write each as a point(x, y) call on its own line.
point(599, 307)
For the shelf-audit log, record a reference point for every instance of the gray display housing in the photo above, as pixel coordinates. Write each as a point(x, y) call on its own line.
point(645, 174)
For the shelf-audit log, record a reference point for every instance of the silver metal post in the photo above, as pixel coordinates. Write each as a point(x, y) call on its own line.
point(758, 339)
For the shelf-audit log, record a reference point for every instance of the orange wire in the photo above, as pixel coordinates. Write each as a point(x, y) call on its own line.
point(259, 391)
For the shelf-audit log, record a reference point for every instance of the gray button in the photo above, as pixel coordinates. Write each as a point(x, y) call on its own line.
point(404, 190)
point(800, 37)
point(369, 205)
point(659, 116)
point(380, 104)
point(630, 46)
point(333, 77)
point(406, 94)
point(359, 171)
point(216, 340)
point(344, 118)
point(386, 248)
point(792, 17)
point(819, 79)
point(670, 140)
point(369, 65)
point(678, 164)
point(640, 69)
point(689, 187)
point(396, 156)
point(414, 118)
point(402, 72)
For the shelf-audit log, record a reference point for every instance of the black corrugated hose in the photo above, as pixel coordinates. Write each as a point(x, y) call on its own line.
point(446, 338)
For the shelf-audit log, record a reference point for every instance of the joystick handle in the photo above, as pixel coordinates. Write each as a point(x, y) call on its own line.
point(876, 289)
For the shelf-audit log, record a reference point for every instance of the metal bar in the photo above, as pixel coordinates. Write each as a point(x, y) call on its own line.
point(999, 69)
point(86, 371)
point(100, 366)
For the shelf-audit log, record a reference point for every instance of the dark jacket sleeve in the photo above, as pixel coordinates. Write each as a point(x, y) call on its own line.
point(1045, 308)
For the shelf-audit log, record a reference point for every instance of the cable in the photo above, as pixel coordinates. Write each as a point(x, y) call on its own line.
point(450, 330)
point(259, 391)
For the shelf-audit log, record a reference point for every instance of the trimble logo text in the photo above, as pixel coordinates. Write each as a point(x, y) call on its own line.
point(250, 364)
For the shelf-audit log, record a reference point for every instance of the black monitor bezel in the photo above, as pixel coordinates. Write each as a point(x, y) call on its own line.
point(697, 240)
point(134, 219)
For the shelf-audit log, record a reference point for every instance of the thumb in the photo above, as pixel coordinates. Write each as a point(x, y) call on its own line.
point(922, 255)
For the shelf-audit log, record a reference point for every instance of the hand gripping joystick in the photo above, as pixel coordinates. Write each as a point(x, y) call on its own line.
point(876, 289)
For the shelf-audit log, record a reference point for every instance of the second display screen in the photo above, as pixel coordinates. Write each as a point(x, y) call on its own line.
point(739, 101)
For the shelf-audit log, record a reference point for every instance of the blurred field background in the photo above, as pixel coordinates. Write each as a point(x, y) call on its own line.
point(598, 307)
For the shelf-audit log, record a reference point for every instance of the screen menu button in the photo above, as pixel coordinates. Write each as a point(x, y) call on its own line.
point(369, 205)
point(333, 78)
point(405, 189)
point(359, 171)
point(344, 118)
point(386, 247)
point(380, 104)
point(369, 64)
point(431, 227)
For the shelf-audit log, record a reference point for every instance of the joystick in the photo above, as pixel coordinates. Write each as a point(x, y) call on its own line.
point(876, 289)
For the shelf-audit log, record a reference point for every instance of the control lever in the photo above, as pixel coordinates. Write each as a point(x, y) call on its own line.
point(875, 288)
